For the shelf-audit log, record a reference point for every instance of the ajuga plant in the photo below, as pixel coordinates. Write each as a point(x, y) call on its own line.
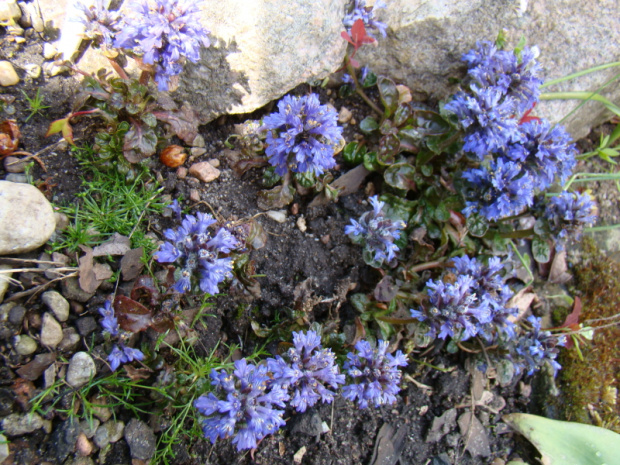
point(457, 180)
point(120, 353)
point(161, 36)
point(249, 403)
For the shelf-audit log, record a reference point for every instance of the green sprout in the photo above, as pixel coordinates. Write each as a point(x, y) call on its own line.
point(35, 103)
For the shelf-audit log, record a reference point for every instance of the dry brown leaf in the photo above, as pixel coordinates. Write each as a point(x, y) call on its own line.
point(88, 281)
point(131, 264)
point(559, 270)
point(116, 245)
point(522, 300)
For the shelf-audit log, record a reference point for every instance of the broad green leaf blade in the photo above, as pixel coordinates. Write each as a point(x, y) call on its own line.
point(567, 443)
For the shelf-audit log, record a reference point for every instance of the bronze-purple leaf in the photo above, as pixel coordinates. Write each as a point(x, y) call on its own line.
point(132, 316)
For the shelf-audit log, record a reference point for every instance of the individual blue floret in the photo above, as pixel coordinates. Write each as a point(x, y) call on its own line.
point(536, 348)
point(122, 354)
point(501, 190)
point(199, 250)
point(487, 118)
point(307, 370)
point(109, 322)
point(567, 214)
point(302, 135)
point(100, 24)
point(377, 233)
point(366, 14)
point(375, 375)
point(244, 407)
point(164, 35)
point(545, 152)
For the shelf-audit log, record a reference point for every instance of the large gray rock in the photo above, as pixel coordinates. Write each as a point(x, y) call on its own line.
point(427, 39)
point(26, 218)
point(264, 48)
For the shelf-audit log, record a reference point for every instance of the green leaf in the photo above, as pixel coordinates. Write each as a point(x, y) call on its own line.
point(565, 442)
point(276, 198)
point(353, 153)
point(398, 208)
point(426, 170)
point(442, 213)
point(270, 178)
point(400, 176)
point(368, 125)
point(140, 143)
point(389, 147)
point(541, 250)
point(306, 179)
point(360, 302)
point(345, 90)
point(370, 161)
point(370, 80)
point(477, 225)
point(402, 114)
point(388, 94)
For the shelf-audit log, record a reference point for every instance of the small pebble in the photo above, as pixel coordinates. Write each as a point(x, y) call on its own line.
point(204, 171)
point(16, 315)
point(299, 455)
point(17, 424)
point(13, 165)
point(194, 195)
point(325, 239)
point(83, 446)
point(197, 151)
point(70, 340)
point(345, 115)
point(17, 177)
point(81, 370)
point(277, 215)
point(32, 71)
point(86, 325)
point(89, 427)
point(181, 172)
point(198, 141)
point(25, 345)
point(214, 162)
point(109, 433)
point(57, 304)
point(51, 331)
point(295, 209)
point(141, 440)
point(301, 224)
point(49, 51)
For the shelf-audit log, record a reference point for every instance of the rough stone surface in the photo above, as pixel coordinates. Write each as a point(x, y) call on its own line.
point(204, 171)
point(64, 438)
point(9, 10)
point(427, 39)
point(57, 304)
point(72, 291)
point(86, 325)
point(17, 424)
point(89, 428)
point(25, 345)
point(4, 448)
point(141, 440)
point(70, 340)
point(109, 432)
point(51, 331)
point(14, 165)
point(81, 369)
point(26, 218)
point(4, 280)
point(8, 76)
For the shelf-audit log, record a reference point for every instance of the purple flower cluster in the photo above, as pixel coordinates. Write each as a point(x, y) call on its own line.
point(195, 245)
point(527, 156)
point(247, 399)
point(503, 87)
point(377, 233)
point(374, 374)
point(120, 353)
point(248, 410)
point(165, 35)
point(474, 304)
point(536, 348)
point(366, 14)
point(307, 370)
point(499, 191)
point(101, 25)
point(302, 135)
point(567, 214)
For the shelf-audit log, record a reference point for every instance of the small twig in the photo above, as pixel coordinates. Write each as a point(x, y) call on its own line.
point(25, 260)
point(41, 287)
point(426, 266)
point(359, 90)
point(590, 328)
point(39, 270)
point(594, 320)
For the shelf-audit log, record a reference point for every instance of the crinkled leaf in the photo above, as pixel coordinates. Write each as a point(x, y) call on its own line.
point(360, 302)
point(257, 237)
point(258, 330)
point(306, 179)
point(241, 166)
point(541, 250)
point(477, 225)
point(397, 208)
point(368, 125)
point(430, 122)
point(276, 198)
point(386, 289)
point(270, 177)
point(140, 143)
point(370, 161)
point(402, 114)
point(132, 316)
point(9, 137)
point(389, 147)
point(505, 372)
point(370, 80)
point(146, 290)
point(426, 170)
point(63, 126)
point(388, 94)
point(184, 122)
point(400, 176)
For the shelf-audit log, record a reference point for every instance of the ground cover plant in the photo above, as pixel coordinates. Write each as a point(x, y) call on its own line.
point(198, 321)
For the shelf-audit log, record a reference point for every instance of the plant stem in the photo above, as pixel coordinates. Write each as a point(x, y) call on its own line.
point(517, 234)
point(358, 87)
point(425, 266)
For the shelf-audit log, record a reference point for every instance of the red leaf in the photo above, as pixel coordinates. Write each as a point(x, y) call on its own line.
point(347, 37)
point(132, 316)
point(572, 320)
point(359, 36)
point(526, 118)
